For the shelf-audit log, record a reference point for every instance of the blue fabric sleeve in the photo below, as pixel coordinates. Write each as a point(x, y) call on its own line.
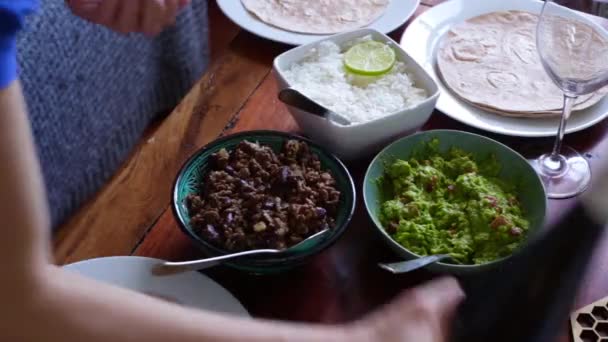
point(12, 14)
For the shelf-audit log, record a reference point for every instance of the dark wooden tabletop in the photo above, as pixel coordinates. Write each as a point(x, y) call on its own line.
point(131, 215)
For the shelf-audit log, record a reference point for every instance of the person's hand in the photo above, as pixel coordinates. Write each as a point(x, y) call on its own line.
point(423, 314)
point(126, 16)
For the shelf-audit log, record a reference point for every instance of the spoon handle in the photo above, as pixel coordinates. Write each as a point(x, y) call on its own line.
point(295, 98)
point(411, 265)
point(168, 268)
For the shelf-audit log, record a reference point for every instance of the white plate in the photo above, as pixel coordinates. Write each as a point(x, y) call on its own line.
point(421, 39)
point(397, 13)
point(189, 289)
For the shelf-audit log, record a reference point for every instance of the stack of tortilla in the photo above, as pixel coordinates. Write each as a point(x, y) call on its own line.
point(317, 16)
point(491, 62)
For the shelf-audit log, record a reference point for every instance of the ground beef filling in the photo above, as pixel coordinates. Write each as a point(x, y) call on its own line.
point(254, 199)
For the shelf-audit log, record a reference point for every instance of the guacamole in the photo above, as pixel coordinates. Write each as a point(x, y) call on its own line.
point(451, 204)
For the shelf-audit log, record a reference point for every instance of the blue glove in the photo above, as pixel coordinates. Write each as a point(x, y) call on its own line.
point(12, 13)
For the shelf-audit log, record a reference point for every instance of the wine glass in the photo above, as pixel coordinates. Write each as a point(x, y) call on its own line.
point(572, 41)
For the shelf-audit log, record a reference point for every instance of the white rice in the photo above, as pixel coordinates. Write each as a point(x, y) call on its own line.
point(321, 76)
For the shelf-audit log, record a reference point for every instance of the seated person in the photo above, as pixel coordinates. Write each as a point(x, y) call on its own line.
point(92, 91)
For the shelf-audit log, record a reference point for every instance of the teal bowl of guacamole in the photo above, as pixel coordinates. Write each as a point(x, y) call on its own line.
point(456, 193)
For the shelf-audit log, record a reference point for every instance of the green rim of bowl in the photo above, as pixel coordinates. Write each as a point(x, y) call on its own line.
point(384, 156)
point(190, 177)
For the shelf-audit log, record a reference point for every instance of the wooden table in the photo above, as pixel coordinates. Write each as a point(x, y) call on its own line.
point(131, 215)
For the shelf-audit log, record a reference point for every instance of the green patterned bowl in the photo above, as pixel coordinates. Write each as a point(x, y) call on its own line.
point(515, 169)
point(190, 178)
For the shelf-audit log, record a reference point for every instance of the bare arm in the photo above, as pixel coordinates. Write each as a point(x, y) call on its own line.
point(23, 206)
point(68, 307)
point(41, 302)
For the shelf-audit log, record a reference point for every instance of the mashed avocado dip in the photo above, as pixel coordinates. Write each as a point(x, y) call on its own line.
point(451, 204)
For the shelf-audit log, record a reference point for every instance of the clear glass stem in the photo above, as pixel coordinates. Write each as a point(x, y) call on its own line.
point(569, 101)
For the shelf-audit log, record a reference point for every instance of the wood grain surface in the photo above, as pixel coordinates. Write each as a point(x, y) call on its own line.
point(238, 93)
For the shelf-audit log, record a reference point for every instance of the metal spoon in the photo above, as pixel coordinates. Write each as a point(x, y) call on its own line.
point(411, 265)
point(296, 99)
point(168, 268)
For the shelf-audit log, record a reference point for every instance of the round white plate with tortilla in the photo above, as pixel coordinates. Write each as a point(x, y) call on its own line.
point(422, 39)
point(190, 289)
point(395, 14)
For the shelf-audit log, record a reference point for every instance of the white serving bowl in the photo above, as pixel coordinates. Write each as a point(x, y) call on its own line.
point(360, 139)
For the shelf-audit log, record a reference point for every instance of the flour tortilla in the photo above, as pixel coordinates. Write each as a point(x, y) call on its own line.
point(491, 61)
point(582, 103)
point(317, 16)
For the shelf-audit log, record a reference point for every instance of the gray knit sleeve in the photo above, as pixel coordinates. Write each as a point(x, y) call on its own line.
point(92, 92)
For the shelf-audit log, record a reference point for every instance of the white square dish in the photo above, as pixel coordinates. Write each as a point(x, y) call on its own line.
point(360, 139)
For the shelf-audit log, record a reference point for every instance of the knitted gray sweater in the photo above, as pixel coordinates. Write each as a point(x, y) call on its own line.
point(92, 92)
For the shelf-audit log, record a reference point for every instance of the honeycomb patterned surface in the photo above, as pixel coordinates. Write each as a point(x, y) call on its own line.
point(590, 324)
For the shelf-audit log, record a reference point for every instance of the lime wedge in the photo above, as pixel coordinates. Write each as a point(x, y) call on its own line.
point(369, 58)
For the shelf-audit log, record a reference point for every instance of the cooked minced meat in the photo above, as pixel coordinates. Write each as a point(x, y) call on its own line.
point(253, 198)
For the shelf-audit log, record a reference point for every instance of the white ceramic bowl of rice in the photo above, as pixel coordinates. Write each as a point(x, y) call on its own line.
point(380, 108)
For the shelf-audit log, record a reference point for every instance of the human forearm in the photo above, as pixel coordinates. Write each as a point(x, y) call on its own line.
point(23, 206)
point(70, 308)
